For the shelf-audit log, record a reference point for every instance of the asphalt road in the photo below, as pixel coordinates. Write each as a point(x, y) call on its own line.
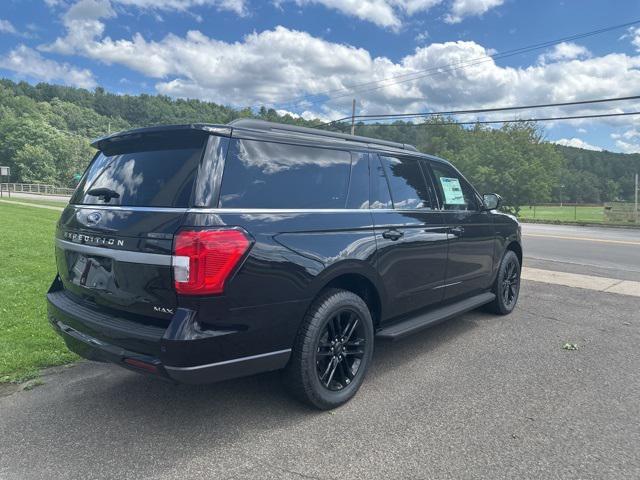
point(478, 397)
point(601, 251)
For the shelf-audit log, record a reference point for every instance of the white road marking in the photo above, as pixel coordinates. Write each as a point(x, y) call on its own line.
point(583, 239)
point(589, 282)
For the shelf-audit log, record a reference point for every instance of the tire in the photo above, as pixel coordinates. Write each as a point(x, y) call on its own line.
point(316, 357)
point(507, 285)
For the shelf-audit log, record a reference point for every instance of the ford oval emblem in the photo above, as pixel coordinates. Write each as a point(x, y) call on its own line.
point(93, 218)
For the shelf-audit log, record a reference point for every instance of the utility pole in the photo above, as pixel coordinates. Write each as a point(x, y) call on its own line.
point(353, 117)
point(636, 205)
point(109, 128)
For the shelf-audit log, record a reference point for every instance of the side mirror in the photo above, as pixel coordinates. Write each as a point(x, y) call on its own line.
point(491, 201)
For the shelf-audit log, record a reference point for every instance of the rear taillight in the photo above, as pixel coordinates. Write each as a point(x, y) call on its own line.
point(203, 260)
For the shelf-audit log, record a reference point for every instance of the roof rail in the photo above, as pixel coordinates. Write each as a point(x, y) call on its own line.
point(252, 124)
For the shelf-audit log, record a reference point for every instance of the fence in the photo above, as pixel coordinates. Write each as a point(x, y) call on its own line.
point(588, 213)
point(35, 189)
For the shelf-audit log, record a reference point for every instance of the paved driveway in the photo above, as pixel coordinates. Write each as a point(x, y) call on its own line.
point(477, 397)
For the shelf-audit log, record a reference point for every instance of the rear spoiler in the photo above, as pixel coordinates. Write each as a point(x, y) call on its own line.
point(128, 135)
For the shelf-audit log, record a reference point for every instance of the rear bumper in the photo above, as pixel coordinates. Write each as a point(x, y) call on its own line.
point(146, 349)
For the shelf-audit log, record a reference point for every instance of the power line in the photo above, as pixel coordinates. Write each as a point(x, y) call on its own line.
point(456, 65)
point(401, 116)
point(527, 120)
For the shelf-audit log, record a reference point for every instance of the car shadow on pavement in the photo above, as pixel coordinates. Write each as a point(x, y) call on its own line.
point(102, 408)
point(104, 405)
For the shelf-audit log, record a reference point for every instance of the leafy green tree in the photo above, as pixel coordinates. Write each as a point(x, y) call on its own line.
point(45, 133)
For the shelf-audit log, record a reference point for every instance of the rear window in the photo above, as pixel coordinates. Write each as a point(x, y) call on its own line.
point(275, 175)
point(150, 172)
point(408, 187)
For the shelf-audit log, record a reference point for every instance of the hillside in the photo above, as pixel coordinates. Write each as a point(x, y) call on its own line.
point(45, 131)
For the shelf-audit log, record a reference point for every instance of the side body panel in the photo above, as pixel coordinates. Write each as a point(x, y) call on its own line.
point(293, 257)
point(472, 245)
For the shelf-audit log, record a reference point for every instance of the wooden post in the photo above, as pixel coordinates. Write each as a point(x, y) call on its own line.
point(353, 117)
point(636, 203)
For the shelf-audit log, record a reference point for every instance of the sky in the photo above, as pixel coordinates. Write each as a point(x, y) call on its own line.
point(312, 57)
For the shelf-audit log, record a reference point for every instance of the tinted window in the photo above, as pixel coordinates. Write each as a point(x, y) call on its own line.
point(359, 182)
point(380, 197)
point(406, 181)
point(454, 192)
point(275, 175)
point(152, 174)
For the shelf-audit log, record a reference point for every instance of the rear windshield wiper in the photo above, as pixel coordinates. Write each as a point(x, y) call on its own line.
point(104, 193)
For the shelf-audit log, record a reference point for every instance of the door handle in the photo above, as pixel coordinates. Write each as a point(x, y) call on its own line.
point(457, 231)
point(392, 235)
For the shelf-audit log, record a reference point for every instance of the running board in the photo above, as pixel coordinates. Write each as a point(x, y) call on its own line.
point(411, 325)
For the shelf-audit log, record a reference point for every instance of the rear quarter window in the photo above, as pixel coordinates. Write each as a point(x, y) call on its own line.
point(274, 175)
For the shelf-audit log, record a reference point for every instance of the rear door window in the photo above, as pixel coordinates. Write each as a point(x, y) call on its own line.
point(156, 172)
point(409, 190)
point(275, 175)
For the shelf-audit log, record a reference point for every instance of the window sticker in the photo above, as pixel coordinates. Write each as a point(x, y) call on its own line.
point(452, 191)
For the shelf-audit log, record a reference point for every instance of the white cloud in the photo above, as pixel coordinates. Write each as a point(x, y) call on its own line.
point(628, 141)
point(273, 67)
point(385, 13)
point(27, 62)
point(306, 115)
point(392, 13)
point(633, 34)
point(237, 6)
point(89, 10)
point(7, 27)
point(563, 52)
point(422, 37)
point(467, 8)
point(380, 12)
point(577, 143)
point(635, 41)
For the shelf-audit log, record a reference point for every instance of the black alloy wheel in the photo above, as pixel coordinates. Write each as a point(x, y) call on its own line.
point(511, 283)
point(507, 285)
point(341, 347)
point(332, 350)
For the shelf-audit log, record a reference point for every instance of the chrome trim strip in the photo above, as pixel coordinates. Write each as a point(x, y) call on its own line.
point(253, 211)
point(447, 285)
point(119, 255)
point(228, 362)
point(129, 209)
point(250, 211)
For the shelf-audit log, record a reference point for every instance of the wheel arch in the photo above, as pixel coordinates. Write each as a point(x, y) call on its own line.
point(516, 248)
point(356, 277)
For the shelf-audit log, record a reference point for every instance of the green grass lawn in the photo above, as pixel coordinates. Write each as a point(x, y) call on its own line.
point(27, 268)
point(52, 203)
point(564, 213)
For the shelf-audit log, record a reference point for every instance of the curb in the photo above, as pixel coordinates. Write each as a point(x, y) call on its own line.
point(580, 224)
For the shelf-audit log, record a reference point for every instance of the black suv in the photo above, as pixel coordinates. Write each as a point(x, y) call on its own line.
point(200, 253)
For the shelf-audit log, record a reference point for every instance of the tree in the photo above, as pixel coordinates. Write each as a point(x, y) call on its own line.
point(45, 132)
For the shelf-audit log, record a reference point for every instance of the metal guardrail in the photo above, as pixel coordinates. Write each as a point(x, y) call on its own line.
point(35, 189)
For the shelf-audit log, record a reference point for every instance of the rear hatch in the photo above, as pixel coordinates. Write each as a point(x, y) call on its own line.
point(114, 240)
